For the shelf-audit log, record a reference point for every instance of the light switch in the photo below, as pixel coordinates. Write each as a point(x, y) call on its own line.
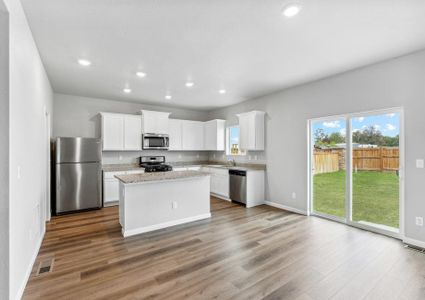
point(420, 163)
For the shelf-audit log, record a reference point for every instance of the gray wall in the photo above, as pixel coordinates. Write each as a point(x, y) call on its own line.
point(4, 152)
point(79, 116)
point(30, 98)
point(396, 83)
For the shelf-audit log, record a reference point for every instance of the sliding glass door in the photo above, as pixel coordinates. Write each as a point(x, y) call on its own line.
point(375, 169)
point(356, 169)
point(328, 170)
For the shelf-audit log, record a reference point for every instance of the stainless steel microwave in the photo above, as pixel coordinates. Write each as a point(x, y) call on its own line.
point(155, 141)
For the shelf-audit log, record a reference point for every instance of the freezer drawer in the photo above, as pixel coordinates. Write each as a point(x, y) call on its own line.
point(78, 186)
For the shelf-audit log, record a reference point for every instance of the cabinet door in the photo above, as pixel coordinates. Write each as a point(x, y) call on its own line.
point(210, 135)
point(175, 133)
point(149, 123)
point(223, 185)
point(162, 123)
point(155, 122)
point(113, 132)
point(244, 130)
point(214, 184)
point(110, 190)
point(132, 133)
point(192, 135)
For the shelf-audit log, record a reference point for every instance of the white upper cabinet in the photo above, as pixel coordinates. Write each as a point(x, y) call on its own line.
point(112, 131)
point(214, 135)
point(192, 135)
point(175, 134)
point(155, 122)
point(121, 132)
point(251, 126)
point(132, 132)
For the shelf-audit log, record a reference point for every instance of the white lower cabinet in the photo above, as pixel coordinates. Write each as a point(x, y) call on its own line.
point(219, 181)
point(111, 186)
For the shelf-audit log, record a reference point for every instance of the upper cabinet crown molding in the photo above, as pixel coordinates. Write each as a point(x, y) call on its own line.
point(155, 121)
point(252, 129)
point(121, 132)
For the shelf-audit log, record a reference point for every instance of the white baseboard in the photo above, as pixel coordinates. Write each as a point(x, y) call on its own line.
point(288, 208)
point(414, 242)
point(30, 266)
point(127, 233)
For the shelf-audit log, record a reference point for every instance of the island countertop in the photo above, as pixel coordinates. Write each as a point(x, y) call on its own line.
point(159, 176)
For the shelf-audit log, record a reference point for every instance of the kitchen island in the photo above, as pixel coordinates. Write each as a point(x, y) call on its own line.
point(152, 201)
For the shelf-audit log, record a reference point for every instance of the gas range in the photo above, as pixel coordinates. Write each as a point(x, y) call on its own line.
point(154, 164)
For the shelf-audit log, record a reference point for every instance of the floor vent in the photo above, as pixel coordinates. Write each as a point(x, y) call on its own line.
point(45, 266)
point(415, 248)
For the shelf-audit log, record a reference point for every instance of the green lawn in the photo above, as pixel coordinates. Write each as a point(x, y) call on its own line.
point(375, 196)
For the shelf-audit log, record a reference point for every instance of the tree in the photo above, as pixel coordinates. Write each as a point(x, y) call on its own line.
point(336, 138)
point(391, 141)
point(369, 136)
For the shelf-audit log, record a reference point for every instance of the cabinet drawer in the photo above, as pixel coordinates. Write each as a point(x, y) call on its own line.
point(219, 171)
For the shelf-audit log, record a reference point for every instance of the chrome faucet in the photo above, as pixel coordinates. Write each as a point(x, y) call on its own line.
point(232, 162)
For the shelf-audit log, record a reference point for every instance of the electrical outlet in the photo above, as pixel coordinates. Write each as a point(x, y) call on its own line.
point(213, 155)
point(120, 157)
point(420, 163)
point(249, 157)
point(294, 195)
point(180, 156)
point(197, 155)
point(419, 221)
point(255, 157)
point(174, 205)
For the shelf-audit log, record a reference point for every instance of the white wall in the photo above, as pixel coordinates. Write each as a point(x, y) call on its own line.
point(395, 83)
point(79, 116)
point(30, 96)
point(4, 152)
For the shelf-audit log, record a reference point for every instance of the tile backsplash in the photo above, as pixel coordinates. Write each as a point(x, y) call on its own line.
point(132, 157)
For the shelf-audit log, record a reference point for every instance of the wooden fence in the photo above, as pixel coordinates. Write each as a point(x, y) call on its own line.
point(376, 159)
point(364, 159)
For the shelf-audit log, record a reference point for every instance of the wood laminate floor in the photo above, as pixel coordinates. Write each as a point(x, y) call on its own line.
point(256, 253)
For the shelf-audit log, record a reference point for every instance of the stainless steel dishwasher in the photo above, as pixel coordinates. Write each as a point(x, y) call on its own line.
point(237, 186)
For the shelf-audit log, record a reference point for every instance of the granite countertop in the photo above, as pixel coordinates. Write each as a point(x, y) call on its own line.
point(159, 176)
point(120, 167)
point(215, 164)
point(221, 165)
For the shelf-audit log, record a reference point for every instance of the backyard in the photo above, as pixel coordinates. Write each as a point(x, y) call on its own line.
point(375, 196)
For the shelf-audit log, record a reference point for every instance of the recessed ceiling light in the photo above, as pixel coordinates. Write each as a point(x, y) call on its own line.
point(84, 62)
point(291, 10)
point(189, 84)
point(222, 91)
point(168, 97)
point(127, 90)
point(141, 74)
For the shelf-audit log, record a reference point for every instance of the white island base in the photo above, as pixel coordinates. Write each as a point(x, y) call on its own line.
point(151, 205)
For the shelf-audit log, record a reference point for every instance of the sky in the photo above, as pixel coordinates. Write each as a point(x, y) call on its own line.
point(388, 124)
point(234, 135)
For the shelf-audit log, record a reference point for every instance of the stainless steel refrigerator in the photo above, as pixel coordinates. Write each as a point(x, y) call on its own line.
point(78, 172)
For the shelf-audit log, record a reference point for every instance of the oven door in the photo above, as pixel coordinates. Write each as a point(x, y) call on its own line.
point(155, 141)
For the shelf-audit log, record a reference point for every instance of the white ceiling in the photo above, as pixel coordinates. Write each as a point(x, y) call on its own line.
point(244, 46)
